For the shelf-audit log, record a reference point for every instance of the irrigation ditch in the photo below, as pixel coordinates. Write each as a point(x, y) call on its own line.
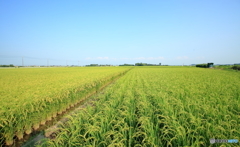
point(51, 127)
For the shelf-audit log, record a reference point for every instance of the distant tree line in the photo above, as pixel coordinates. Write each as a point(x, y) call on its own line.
point(99, 65)
point(146, 64)
point(236, 67)
point(10, 65)
point(205, 65)
point(202, 65)
point(127, 65)
point(92, 65)
point(142, 64)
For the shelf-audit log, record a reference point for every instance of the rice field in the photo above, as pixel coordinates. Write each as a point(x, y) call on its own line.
point(32, 96)
point(159, 107)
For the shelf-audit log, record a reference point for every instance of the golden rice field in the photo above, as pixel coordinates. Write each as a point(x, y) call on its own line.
point(31, 96)
point(146, 106)
point(159, 107)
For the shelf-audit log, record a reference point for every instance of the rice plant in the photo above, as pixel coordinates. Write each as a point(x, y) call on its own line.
point(30, 97)
point(155, 106)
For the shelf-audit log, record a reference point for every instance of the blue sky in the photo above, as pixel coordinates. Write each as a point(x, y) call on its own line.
point(116, 32)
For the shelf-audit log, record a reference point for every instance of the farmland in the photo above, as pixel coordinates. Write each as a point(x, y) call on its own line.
point(30, 97)
point(155, 106)
point(148, 106)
